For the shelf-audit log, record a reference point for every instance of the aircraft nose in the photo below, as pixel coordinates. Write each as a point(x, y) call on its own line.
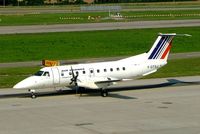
point(26, 83)
point(19, 85)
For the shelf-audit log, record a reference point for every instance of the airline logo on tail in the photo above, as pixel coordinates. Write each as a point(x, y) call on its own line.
point(161, 47)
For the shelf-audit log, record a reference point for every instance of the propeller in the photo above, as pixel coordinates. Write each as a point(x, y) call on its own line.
point(74, 80)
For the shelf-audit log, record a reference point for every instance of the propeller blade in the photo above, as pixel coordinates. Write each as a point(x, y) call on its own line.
point(74, 80)
point(72, 72)
point(71, 82)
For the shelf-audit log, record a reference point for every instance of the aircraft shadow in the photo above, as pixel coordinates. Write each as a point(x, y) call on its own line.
point(92, 92)
point(170, 82)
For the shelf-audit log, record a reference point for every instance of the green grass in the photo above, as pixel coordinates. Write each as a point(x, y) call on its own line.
point(10, 76)
point(43, 19)
point(163, 15)
point(75, 45)
point(180, 67)
point(134, 4)
point(61, 18)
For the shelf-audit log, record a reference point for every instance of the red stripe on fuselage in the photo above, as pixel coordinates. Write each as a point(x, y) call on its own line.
point(167, 50)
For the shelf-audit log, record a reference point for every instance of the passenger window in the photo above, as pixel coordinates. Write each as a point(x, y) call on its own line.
point(117, 69)
point(62, 74)
point(91, 71)
point(124, 68)
point(83, 72)
point(105, 70)
point(111, 69)
point(98, 70)
point(70, 73)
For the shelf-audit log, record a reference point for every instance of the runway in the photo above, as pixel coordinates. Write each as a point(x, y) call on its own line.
point(98, 26)
point(153, 106)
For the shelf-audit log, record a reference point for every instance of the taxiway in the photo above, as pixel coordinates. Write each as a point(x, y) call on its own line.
point(153, 106)
point(98, 26)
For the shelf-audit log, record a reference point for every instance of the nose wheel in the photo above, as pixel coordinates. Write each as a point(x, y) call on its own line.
point(32, 91)
point(104, 92)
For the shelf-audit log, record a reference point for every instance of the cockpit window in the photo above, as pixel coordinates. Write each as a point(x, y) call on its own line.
point(46, 74)
point(39, 73)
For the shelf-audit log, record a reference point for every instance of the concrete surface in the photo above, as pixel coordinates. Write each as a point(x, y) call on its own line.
point(98, 26)
point(168, 109)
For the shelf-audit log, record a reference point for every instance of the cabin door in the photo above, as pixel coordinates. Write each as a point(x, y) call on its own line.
point(56, 75)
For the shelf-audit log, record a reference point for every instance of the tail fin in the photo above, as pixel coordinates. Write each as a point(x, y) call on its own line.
point(161, 47)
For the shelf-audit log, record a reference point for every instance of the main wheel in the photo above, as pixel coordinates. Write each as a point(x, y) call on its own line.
point(104, 93)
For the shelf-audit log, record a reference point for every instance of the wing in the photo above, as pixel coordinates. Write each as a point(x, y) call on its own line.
point(97, 82)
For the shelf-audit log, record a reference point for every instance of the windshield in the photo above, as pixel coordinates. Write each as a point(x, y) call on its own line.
point(39, 73)
point(46, 74)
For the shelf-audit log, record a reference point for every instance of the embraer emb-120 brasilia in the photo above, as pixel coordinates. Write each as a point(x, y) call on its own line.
point(101, 75)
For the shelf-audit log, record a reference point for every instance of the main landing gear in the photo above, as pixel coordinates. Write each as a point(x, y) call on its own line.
point(32, 91)
point(104, 92)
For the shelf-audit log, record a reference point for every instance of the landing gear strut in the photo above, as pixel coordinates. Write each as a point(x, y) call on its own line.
point(32, 91)
point(104, 92)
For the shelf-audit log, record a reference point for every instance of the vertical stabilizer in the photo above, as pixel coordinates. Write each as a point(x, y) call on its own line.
point(161, 47)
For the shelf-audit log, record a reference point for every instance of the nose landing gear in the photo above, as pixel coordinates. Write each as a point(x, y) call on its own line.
point(32, 91)
point(104, 92)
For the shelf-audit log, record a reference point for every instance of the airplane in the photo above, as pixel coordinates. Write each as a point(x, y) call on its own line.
point(101, 75)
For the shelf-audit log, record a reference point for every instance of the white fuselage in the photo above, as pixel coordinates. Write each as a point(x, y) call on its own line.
point(60, 76)
point(102, 74)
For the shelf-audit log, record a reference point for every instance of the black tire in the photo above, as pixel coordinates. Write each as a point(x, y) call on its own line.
point(104, 93)
point(33, 96)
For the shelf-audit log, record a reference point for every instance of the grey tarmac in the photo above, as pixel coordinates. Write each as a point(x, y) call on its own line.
point(98, 26)
point(166, 109)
